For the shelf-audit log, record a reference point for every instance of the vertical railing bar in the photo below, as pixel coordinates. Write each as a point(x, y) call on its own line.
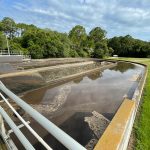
point(17, 131)
point(59, 134)
point(26, 124)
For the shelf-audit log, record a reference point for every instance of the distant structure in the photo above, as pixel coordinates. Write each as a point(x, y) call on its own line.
point(7, 56)
point(115, 55)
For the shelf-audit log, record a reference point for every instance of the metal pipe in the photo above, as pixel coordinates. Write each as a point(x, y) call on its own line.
point(16, 130)
point(7, 45)
point(26, 124)
point(59, 134)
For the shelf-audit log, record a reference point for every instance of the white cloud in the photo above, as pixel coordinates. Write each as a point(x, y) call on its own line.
point(118, 17)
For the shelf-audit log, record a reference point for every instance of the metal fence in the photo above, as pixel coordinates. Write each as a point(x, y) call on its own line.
point(59, 134)
point(11, 53)
point(5, 52)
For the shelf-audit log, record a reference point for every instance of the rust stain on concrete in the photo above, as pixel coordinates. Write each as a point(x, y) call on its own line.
point(115, 131)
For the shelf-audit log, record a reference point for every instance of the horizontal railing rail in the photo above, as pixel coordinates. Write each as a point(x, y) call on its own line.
point(5, 53)
point(59, 134)
point(16, 130)
point(25, 123)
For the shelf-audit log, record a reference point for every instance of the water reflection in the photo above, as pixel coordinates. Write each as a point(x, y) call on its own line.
point(121, 67)
point(78, 80)
point(102, 92)
point(94, 75)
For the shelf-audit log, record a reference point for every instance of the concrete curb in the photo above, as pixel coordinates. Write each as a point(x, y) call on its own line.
point(119, 140)
point(113, 136)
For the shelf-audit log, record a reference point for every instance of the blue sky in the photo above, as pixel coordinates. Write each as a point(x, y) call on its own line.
point(117, 17)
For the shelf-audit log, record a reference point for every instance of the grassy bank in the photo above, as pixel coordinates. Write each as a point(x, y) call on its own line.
point(142, 122)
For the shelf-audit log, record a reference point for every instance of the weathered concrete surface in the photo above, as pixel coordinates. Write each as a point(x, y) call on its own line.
point(12, 58)
point(38, 63)
point(44, 69)
point(6, 68)
point(97, 124)
point(29, 79)
point(71, 103)
point(114, 134)
point(136, 97)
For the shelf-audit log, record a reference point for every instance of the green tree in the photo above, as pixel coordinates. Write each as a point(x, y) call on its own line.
point(35, 51)
point(97, 37)
point(8, 26)
point(45, 43)
point(97, 34)
point(127, 46)
point(2, 41)
point(78, 36)
point(22, 28)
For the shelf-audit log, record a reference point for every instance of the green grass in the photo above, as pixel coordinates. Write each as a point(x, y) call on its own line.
point(142, 122)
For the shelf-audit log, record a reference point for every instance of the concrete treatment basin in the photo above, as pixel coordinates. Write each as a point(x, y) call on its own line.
point(72, 104)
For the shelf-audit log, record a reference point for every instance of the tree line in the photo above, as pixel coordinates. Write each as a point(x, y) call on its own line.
point(45, 43)
point(127, 46)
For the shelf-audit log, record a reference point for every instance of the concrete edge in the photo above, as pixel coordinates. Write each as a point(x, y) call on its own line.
point(35, 70)
point(11, 58)
point(120, 142)
point(114, 133)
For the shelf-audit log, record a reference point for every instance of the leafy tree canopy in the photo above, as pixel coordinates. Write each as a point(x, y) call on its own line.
point(45, 43)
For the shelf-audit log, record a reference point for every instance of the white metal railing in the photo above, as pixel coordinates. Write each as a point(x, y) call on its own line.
point(16, 130)
point(26, 57)
point(26, 124)
point(5, 53)
point(59, 134)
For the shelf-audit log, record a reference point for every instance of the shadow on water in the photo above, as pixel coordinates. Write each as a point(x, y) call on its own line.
point(76, 127)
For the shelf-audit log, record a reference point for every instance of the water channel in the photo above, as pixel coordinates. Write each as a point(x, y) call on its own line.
point(69, 103)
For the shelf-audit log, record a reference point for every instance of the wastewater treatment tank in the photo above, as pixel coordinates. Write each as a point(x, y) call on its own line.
point(82, 106)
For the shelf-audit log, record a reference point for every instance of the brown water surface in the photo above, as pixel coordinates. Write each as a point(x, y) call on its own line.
point(68, 104)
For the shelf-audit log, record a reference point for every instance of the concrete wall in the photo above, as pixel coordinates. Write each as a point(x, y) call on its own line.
point(26, 80)
point(67, 70)
point(11, 58)
point(117, 134)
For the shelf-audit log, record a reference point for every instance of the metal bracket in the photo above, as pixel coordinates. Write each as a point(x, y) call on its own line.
point(20, 126)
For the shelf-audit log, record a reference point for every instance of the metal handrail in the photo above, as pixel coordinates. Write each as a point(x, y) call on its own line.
point(26, 124)
point(16, 130)
point(5, 52)
point(59, 134)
